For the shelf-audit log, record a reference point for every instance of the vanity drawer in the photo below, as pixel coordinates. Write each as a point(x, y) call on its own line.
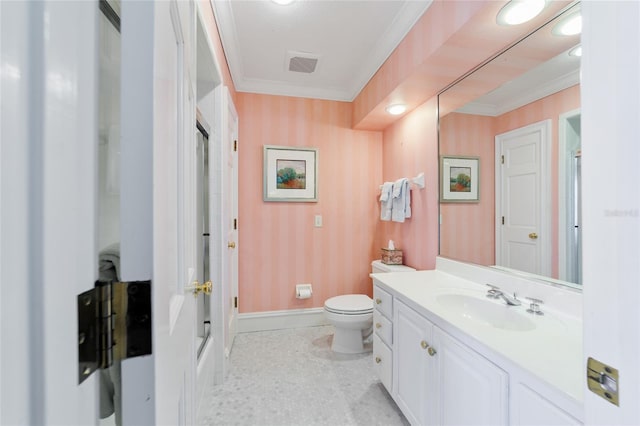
point(383, 327)
point(382, 362)
point(383, 302)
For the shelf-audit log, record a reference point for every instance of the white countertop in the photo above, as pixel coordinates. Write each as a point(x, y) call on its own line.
point(552, 351)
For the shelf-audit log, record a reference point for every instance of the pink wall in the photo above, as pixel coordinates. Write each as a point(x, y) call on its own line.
point(468, 229)
point(411, 147)
point(279, 245)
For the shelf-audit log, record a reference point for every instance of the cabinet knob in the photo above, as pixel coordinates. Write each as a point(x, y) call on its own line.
point(424, 344)
point(378, 360)
point(378, 301)
point(378, 325)
point(431, 351)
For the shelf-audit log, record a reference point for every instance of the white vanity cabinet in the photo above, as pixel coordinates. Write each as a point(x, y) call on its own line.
point(383, 336)
point(439, 381)
point(530, 408)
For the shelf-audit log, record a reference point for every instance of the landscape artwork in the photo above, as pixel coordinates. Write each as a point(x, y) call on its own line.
point(460, 179)
point(291, 174)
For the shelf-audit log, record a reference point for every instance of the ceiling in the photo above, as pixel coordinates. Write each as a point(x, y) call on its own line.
point(347, 40)
point(536, 67)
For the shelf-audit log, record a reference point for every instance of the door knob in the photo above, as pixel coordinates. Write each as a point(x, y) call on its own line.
point(197, 288)
point(533, 235)
point(232, 245)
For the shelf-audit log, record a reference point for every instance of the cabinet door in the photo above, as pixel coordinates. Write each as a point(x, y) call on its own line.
point(470, 389)
point(412, 376)
point(531, 408)
point(382, 362)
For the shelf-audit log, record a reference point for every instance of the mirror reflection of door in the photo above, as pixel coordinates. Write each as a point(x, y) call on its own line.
point(523, 237)
point(203, 323)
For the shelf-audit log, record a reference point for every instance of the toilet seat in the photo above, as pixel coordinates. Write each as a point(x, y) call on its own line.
point(349, 304)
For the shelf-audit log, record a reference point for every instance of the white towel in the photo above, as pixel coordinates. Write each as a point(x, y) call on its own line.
point(386, 201)
point(401, 200)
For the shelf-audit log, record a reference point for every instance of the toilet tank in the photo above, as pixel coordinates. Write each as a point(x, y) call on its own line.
point(378, 267)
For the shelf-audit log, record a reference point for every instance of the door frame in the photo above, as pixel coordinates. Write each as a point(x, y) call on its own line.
point(564, 191)
point(546, 246)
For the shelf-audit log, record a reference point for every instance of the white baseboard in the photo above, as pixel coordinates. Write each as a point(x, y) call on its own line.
point(277, 320)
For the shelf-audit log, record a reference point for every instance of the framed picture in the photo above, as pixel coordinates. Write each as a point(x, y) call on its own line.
point(460, 179)
point(290, 174)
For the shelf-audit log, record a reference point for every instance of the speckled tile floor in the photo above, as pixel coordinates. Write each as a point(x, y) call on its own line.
point(291, 377)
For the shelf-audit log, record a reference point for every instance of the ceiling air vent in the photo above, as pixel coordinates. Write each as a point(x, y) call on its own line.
point(302, 62)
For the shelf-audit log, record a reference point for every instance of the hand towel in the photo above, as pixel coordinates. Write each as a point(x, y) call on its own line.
point(401, 200)
point(386, 201)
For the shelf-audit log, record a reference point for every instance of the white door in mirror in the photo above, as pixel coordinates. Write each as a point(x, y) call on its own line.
point(522, 199)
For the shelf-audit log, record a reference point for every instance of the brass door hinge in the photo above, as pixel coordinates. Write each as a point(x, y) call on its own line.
point(502, 159)
point(235, 223)
point(235, 145)
point(235, 302)
point(603, 380)
point(114, 323)
point(503, 220)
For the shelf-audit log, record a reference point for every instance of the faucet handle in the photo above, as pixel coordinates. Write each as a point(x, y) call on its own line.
point(493, 292)
point(534, 306)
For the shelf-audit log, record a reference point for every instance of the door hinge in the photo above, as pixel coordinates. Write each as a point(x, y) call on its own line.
point(114, 323)
point(603, 380)
point(503, 220)
point(235, 302)
point(235, 145)
point(502, 159)
point(235, 223)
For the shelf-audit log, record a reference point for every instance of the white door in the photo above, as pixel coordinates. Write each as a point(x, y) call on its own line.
point(523, 235)
point(611, 208)
point(230, 219)
point(48, 247)
point(225, 308)
point(158, 208)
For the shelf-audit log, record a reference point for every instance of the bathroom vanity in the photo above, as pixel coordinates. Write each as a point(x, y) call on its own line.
point(447, 354)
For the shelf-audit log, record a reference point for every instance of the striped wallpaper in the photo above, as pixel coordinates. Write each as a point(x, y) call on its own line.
point(279, 245)
point(411, 147)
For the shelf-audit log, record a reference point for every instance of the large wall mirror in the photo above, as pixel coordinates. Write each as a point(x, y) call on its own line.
point(509, 143)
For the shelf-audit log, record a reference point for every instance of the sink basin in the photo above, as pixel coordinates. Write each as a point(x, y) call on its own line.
point(484, 311)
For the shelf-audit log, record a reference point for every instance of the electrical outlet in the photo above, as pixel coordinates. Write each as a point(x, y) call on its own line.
point(318, 221)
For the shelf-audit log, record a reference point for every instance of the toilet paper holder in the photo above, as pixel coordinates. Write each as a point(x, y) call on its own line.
point(303, 291)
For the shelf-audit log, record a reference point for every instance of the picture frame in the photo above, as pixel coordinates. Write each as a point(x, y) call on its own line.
point(460, 179)
point(290, 174)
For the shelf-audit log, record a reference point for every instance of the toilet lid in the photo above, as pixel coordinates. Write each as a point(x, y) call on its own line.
point(350, 304)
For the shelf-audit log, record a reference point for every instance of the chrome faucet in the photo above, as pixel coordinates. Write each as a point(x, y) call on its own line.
point(495, 293)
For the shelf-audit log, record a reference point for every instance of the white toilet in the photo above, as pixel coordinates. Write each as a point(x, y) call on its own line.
point(352, 315)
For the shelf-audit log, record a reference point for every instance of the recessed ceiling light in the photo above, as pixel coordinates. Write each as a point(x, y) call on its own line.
point(283, 2)
point(519, 11)
point(570, 25)
point(396, 109)
point(576, 51)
